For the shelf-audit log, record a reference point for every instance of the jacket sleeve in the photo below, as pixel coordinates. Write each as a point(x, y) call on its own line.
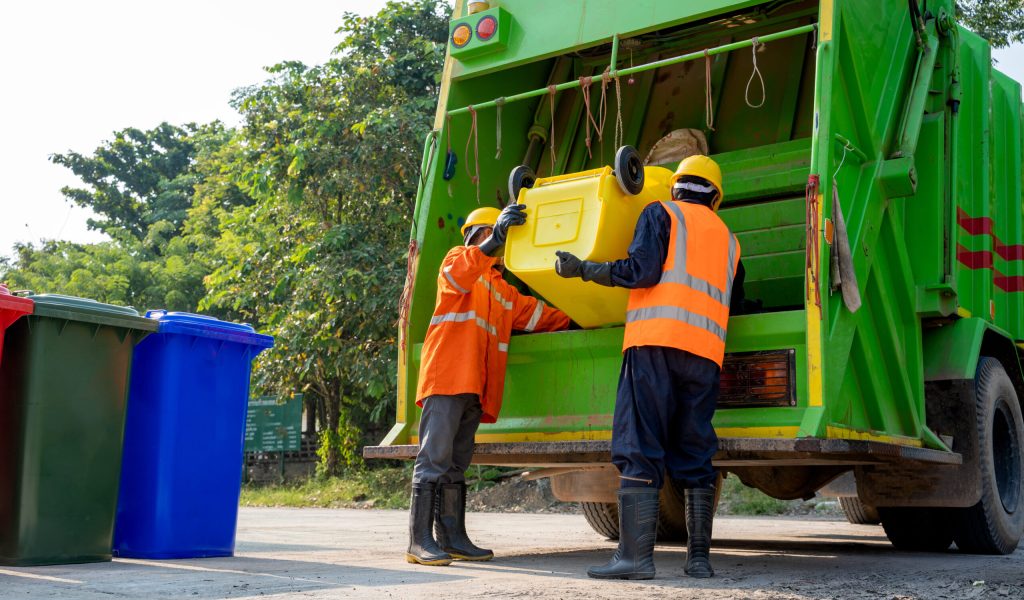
point(533, 315)
point(738, 293)
point(463, 266)
point(648, 251)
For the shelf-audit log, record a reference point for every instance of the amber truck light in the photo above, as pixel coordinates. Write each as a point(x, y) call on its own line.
point(462, 35)
point(486, 28)
point(758, 379)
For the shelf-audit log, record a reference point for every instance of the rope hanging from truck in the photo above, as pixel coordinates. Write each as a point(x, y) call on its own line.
point(585, 83)
point(603, 109)
point(709, 103)
point(474, 137)
point(618, 113)
point(552, 90)
point(498, 104)
point(755, 72)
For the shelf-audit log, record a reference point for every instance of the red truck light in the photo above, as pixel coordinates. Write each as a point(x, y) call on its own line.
point(758, 379)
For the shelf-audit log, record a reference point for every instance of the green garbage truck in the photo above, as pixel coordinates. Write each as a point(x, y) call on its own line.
point(872, 169)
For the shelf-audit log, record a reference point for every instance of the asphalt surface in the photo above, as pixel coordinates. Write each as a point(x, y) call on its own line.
point(321, 553)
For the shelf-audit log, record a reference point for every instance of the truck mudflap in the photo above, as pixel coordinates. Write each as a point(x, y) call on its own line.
point(732, 452)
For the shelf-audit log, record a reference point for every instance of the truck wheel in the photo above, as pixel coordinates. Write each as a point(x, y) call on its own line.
point(994, 525)
point(917, 529)
point(603, 517)
point(859, 513)
point(629, 170)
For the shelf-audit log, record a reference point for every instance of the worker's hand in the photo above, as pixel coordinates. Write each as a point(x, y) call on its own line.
point(511, 216)
point(567, 265)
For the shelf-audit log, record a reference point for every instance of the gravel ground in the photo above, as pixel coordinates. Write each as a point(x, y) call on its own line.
point(324, 553)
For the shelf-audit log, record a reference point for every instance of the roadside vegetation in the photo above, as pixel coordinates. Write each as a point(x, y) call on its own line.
point(389, 488)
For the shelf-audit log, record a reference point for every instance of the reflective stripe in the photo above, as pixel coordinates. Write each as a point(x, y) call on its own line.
point(678, 272)
point(678, 314)
point(462, 318)
point(535, 318)
point(451, 280)
point(506, 304)
point(502, 347)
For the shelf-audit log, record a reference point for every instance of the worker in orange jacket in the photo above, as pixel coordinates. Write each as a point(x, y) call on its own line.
point(685, 276)
point(462, 379)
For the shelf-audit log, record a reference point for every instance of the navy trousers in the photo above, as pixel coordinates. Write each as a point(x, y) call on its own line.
point(662, 421)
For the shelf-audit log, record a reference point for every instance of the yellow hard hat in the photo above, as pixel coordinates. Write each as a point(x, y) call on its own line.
point(487, 215)
point(701, 166)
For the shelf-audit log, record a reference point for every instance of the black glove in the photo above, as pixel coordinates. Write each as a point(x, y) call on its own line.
point(568, 265)
point(511, 216)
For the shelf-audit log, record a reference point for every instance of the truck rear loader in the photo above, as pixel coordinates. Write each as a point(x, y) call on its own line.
point(872, 171)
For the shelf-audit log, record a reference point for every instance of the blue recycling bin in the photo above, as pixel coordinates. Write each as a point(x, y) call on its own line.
point(183, 446)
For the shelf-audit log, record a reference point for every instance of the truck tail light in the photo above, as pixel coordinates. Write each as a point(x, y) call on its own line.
point(462, 35)
point(486, 27)
point(758, 379)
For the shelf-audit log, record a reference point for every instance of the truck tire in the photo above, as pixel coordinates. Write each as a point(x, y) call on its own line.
point(994, 525)
point(603, 517)
point(917, 529)
point(859, 513)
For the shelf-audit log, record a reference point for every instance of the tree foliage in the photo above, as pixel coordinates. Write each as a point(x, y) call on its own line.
point(1001, 22)
point(332, 153)
point(297, 221)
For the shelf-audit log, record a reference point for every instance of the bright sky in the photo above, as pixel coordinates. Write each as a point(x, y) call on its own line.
point(76, 71)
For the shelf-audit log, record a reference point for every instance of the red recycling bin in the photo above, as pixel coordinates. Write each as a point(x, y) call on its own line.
point(12, 308)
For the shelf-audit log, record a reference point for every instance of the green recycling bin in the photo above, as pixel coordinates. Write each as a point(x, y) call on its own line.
point(63, 389)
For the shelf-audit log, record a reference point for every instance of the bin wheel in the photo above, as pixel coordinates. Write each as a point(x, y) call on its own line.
point(629, 170)
point(520, 177)
point(994, 525)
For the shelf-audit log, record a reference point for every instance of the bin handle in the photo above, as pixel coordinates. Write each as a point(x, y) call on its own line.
point(23, 293)
point(150, 313)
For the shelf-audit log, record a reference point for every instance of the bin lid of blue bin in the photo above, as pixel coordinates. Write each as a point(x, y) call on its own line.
point(204, 326)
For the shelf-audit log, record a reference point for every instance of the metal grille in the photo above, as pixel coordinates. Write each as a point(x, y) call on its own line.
point(758, 379)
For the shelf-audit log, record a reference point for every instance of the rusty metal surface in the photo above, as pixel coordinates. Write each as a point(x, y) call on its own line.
point(731, 451)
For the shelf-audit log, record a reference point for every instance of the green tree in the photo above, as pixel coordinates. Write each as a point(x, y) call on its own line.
point(319, 260)
point(1001, 22)
point(141, 185)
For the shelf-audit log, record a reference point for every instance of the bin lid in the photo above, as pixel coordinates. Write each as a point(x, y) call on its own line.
point(206, 326)
point(92, 311)
point(10, 302)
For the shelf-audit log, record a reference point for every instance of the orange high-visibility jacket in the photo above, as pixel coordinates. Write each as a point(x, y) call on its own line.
point(688, 308)
point(466, 348)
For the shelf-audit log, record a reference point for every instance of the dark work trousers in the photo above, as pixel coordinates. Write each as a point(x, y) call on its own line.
point(662, 419)
point(447, 428)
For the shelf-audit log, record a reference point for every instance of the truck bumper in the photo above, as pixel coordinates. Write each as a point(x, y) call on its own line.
point(732, 452)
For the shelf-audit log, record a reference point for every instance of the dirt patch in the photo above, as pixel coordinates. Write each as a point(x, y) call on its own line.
point(517, 495)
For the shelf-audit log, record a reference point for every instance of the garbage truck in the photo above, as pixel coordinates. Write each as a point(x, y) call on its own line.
point(871, 156)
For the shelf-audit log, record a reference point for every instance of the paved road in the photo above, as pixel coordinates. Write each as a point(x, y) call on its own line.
point(313, 553)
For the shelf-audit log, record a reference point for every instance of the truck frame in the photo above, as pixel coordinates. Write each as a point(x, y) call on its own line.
point(875, 187)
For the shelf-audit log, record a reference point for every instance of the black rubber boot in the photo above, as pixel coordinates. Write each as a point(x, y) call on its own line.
point(450, 524)
point(700, 513)
point(422, 547)
point(638, 530)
